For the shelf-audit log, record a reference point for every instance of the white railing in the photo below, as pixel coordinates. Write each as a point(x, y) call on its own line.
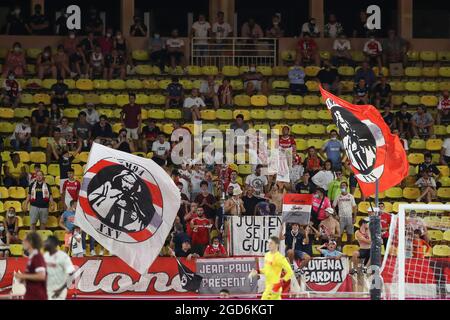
point(234, 51)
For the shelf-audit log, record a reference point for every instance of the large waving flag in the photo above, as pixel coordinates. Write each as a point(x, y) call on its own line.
point(374, 153)
point(128, 204)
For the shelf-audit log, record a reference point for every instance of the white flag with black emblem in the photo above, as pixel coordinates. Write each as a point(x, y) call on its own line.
point(128, 204)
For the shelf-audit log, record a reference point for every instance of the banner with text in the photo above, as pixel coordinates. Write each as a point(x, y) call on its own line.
point(297, 208)
point(328, 275)
point(250, 235)
point(226, 273)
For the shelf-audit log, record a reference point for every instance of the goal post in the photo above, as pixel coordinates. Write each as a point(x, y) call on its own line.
point(417, 255)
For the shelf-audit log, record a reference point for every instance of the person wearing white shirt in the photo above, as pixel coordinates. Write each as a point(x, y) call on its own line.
point(192, 105)
point(373, 50)
point(201, 30)
point(21, 137)
point(323, 178)
point(175, 49)
point(341, 51)
point(311, 28)
point(445, 152)
point(92, 116)
point(257, 181)
point(220, 28)
point(59, 269)
point(161, 150)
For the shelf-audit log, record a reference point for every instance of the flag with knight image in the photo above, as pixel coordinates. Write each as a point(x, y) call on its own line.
point(374, 152)
point(128, 204)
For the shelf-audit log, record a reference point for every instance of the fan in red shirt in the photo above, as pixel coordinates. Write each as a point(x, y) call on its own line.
point(307, 50)
point(189, 216)
point(385, 219)
point(287, 141)
point(215, 249)
point(200, 226)
point(70, 189)
point(35, 276)
point(419, 244)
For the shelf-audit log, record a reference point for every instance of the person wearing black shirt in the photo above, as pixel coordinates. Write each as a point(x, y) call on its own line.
point(39, 197)
point(403, 118)
point(294, 238)
point(429, 166)
point(102, 131)
point(40, 121)
point(123, 143)
point(89, 44)
point(388, 116)
point(115, 65)
point(61, 23)
point(186, 250)
point(94, 23)
point(361, 92)
point(59, 93)
point(149, 134)
point(382, 93)
point(179, 237)
point(138, 29)
point(305, 186)
point(65, 165)
point(250, 202)
point(329, 79)
point(15, 23)
point(38, 22)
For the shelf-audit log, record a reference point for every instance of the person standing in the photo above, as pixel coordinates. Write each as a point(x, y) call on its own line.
point(364, 241)
point(274, 264)
point(131, 118)
point(346, 205)
point(39, 197)
point(59, 269)
point(200, 227)
point(35, 276)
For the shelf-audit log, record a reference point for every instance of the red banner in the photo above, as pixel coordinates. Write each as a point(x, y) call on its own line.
point(112, 276)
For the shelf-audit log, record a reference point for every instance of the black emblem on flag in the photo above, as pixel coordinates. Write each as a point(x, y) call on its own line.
point(189, 280)
point(121, 199)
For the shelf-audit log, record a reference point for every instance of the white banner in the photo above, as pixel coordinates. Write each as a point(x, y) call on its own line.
point(128, 204)
point(250, 235)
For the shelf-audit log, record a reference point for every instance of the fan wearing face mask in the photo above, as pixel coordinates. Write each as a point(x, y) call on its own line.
point(215, 249)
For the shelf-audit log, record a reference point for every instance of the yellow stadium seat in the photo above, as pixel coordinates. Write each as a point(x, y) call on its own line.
point(2, 209)
point(60, 234)
point(311, 100)
point(75, 99)
point(38, 157)
point(108, 99)
point(6, 113)
point(50, 180)
point(92, 98)
point(48, 83)
point(397, 100)
point(21, 112)
point(264, 70)
point(280, 71)
point(428, 56)
point(446, 235)
point(301, 144)
point(430, 86)
point(441, 250)
point(434, 144)
point(431, 72)
point(349, 249)
point(117, 84)
point(413, 55)
point(292, 114)
point(157, 99)
point(280, 85)
point(230, 71)
point(316, 129)
point(140, 55)
point(134, 84)
point(444, 71)
point(260, 127)
point(245, 113)
point(257, 114)
point(440, 130)
point(444, 85)
point(444, 170)
point(156, 114)
point(443, 192)
point(435, 235)
point(347, 86)
point(443, 56)
point(357, 56)
point(331, 127)
point(71, 113)
point(324, 115)
point(16, 250)
point(312, 71)
point(6, 127)
point(210, 70)
point(237, 84)
point(276, 100)
point(274, 114)
point(84, 84)
point(208, 114)
point(33, 53)
point(309, 114)
point(316, 143)
point(41, 97)
point(429, 101)
point(116, 127)
point(417, 144)
point(397, 85)
point(415, 158)
point(4, 193)
point(13, 204)
point(70, 83)
point(364, 207)
point(187, 84)
point(394, 193)
point(242, 100)
point(194, 70)
point(299, 129)
point(411, 193)
point(144, 70)
point(173, 114)
point(413, 86)
point(224, 114)
point(313, 86)
point(258, 101)
point(44, 234)
point(412, 100)
point(346, 71)
point(245, 169)
point(384, 71)
point(18, 193)
point(325, 55)
point(413, 71)
point(151, 84)
point(294, 100)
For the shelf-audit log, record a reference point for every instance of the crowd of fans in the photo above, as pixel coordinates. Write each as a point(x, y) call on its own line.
point(208, 193)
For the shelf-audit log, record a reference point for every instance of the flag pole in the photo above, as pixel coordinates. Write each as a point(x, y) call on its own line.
point(375, 248)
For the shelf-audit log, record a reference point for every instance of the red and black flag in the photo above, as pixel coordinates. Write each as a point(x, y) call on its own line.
point(189, 280)
point(373, 151)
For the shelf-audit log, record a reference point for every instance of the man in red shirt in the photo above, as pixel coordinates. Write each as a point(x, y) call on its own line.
point(131, 118)
point(70, 189)
point(307, 50)
point(35, 276)
point(12, 90)
point(200, 227)
point(215, 249)
point(385, 219)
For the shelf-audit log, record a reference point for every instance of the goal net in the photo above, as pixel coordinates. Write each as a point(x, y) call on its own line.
point(416, 262)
